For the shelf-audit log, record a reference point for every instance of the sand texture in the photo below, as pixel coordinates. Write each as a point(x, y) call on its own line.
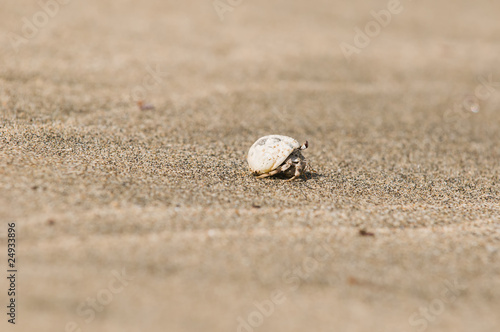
point(131, 219)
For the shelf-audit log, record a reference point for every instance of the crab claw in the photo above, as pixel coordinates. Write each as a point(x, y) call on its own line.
point(305, 145)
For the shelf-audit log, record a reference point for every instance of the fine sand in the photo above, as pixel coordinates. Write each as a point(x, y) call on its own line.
point(132, 219)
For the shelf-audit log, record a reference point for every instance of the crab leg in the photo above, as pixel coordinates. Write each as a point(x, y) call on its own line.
point(281, 168)
point(296, 175)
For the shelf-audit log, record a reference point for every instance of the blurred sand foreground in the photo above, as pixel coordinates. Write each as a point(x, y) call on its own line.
point(147, 220)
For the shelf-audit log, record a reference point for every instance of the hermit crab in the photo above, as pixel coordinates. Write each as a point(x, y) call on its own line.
point(277, 154)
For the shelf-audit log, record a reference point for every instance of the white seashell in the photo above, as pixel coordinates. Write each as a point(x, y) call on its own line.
point(275, 154)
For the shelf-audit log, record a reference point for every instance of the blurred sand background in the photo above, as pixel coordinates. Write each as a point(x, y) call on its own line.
point(399, 147)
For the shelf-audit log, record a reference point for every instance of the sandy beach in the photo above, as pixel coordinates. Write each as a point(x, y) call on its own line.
point(130, 218)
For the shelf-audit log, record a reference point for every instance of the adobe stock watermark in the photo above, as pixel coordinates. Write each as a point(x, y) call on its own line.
point(363, 37)
point(293, 279)
point(425, 315)
point(150, 80)
point(483, 91)
point(39, 20)
point(221, 7)
point(286, 118)
point(89, 308)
